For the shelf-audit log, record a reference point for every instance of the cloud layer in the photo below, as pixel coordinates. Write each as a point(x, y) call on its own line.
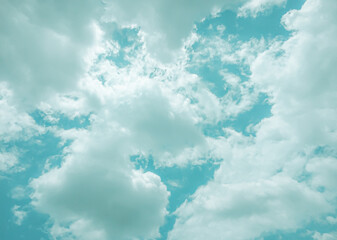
point(107, 65)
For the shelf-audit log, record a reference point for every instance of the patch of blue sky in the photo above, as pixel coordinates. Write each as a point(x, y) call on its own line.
point(325, 151)
point(210, 74)
point(260, 110)
point(60, 120)
point(129, 43)
point(182, 182)
point(118, 59)
point(267, 24)
point(32, 226)
point(126, 37)
point(32, 155)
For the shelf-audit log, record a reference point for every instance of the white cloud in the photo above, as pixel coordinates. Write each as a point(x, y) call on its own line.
point(324, 236)
point(96, 191)
point(7, 161)
point(299, 77)
point(97, 194)
point(18, 193)
point(323, 172)
point(159, 120)
point(46, 48)
point(44, 45)
point(165, 23)
point(240, 95)
point(14, 123)
point(245, 210)
point(19, 214)
point(254, 7)
point(331, 220)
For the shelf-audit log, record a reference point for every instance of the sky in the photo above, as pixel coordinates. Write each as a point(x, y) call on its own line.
point(177, 120)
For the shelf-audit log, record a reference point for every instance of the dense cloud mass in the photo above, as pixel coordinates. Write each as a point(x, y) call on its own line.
point(299, 76)
point(168, 119)
point(99, 194)
point(166, 23)
point(43, 45)
point(247, 209)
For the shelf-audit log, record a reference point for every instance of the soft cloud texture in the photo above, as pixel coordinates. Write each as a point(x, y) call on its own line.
point(254, 7)
point(7, 161)
point(277, 175)
point(96, 191)
point(298, 75)
point(14, 123)
point(19, 214)
point(165, 23)
point(324, 236)
point(245, 210)
point(44, 44)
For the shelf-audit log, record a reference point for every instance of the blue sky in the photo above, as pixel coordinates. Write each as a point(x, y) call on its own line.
point(168, 120)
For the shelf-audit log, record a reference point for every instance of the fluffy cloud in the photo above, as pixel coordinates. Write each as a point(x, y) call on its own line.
point(7, 161)
point(160, 120)
point(245, 210)
point(96, 191)
point(324, 236)
point(154, 109)
point(165, 23)
point(254, 7)
point(44, 44)
point(299, 77)
point(324, 174)
point(46, 47)
point(19, 214)
point(14, 123)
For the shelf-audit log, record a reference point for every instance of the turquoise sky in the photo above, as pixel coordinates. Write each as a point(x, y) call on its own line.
point(168, 120)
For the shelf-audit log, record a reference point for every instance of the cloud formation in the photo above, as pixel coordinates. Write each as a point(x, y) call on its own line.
point(298, 75)
point(44, 45)
point(96, 192)
point(277, 174)
point(246, 210)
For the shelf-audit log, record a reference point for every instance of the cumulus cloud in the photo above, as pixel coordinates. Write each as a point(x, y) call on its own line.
point(245, 210)
point(167, 24)
point(14, 123)
point(254, 7)
point(159, 119)
point(152, 109)
point(324, 174)
point(298, 76)
point(97, 192)
point(44, 44)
